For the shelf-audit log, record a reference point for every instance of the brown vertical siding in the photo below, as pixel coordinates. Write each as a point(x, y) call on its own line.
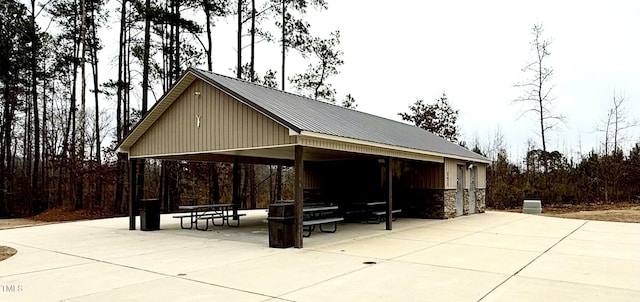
point(313, 174)
point(225, 123)
point(419, 175)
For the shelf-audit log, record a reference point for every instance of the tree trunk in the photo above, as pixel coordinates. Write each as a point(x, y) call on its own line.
point(34, 95)
point(45, 178)
point(245, 186)
point(239, 63)
point(278, 183)
point(207, 13)
point(162, 188)
point(145, 57)
point(119, 192)
point(284, 48)
point(96, 91)
point(176, 69)
point(253, 43)
point(127, 95)
point(120, 170)
point(253, 193)
point(5, 150)
point(119, 85)
point(79, 163)
point(214, 188)
point(170, 50)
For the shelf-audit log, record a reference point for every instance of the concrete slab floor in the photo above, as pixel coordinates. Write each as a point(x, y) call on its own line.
point(493, 256)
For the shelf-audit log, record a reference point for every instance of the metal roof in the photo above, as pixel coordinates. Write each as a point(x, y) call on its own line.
point(299, 113)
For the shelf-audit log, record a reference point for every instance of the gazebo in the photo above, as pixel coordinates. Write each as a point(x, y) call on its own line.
point(336, 152)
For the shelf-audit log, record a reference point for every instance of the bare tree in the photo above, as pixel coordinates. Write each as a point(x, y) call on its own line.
point(620, 120)
point(537, 86)
point(616, 123)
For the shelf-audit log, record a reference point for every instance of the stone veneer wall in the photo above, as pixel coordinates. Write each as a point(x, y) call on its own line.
point(438, 203)
point(480, 200)
point(449, 204)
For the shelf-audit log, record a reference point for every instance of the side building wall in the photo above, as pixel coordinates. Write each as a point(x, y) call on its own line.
point(450, 187)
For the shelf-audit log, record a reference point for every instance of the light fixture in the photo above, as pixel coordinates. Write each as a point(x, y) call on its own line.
point(469, 165)
point(197, 93)
point(381, 160)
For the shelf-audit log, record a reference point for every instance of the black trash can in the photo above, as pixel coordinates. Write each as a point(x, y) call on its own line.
point(149, 214)
point(281, 225)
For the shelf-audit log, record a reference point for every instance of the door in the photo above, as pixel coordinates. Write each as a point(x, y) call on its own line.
point(460, 191)
point(472, 190)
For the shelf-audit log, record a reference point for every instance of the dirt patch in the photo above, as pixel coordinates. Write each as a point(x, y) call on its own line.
point(617, 212)
point(6, 252)
point(603, 212)
point(54, 215)
point(68, 214)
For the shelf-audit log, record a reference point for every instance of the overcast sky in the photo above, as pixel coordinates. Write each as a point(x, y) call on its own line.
point(398, 51)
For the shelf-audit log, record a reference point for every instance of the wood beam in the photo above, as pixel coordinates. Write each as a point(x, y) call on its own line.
point(299, 194)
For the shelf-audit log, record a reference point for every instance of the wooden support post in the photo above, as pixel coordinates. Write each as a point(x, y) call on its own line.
point(299, 179)
point(236, 188)
point(390, 196)
point(133, 192)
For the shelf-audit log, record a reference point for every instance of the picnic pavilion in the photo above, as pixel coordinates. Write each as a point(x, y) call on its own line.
point(338, 154)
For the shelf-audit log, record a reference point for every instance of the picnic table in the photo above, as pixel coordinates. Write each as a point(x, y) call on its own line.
point(315, 214)
point(370, 212)
point(320, 215)
point(208, 212)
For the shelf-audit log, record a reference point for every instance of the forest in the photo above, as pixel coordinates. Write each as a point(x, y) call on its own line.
point(62, 116)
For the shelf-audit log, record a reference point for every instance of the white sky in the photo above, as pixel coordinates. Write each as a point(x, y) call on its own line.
point(398, 51)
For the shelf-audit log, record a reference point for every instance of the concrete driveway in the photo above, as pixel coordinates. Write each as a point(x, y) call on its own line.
point(487, 257)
